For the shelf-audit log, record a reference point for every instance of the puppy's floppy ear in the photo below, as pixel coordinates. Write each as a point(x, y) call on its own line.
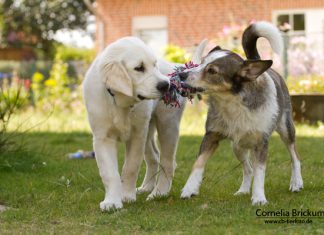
point(251, 69)
point(116, 78)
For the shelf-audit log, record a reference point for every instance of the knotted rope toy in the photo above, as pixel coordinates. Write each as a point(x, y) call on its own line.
point(179, 88)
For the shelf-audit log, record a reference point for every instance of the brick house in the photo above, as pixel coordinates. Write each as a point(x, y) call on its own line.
point(185, 23)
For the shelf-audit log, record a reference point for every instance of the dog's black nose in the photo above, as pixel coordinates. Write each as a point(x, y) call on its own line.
point(163, 86)
point(183, 76)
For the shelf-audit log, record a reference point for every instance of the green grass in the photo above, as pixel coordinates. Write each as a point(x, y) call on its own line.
point(49, 194)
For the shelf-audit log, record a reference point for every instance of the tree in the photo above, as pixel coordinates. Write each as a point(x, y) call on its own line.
point(35, 22)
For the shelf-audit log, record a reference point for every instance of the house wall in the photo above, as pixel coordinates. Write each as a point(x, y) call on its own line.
point(190, 21)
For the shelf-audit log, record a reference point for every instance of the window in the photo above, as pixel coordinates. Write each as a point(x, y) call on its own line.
point(152, 30)
point(295, 20)
point(299, 22)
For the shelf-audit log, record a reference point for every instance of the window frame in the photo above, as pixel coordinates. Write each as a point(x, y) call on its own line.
point(291, 13)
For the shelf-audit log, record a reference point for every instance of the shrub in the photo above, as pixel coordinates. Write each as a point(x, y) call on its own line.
point(306, 66)
point(305, 62)
point(306, 84)
point(73, 53)
point(58, 89)
point(11, 99)
point(304, 58)
point(176, 54)
point(230, 38)
point(8, 66)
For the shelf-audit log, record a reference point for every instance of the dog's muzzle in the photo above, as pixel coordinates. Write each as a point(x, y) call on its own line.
point(163, 87)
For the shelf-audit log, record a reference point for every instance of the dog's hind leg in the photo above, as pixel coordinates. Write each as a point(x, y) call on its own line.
point(242, 155)
point(152, 156)
point(168, 135)
point(207, 148)
point(286, 130)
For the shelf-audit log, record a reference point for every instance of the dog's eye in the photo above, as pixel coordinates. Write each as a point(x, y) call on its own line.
point(211, 70)
point(140, 68)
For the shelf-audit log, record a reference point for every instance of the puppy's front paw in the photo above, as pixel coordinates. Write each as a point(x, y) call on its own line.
point(107, 205)
point(259, 200)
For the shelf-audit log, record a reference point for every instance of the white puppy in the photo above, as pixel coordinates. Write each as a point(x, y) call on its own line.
point(119, 89)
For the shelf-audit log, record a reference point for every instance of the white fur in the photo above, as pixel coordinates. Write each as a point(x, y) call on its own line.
point(128, 53)
point(243, 156)
point(193, 183)
point(272, 33)
point(296, 182)
point(258, 196)
point(124, 117)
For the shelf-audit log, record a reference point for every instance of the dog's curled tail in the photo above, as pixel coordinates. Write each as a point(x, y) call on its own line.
point(257, 30)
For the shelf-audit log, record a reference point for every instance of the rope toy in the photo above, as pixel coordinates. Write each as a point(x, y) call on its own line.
point(179, 88)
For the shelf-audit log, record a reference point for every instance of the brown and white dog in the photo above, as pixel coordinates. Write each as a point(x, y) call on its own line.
point(247, 102)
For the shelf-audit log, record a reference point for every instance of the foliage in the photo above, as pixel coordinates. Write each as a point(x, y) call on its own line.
point(306, 84)
point(304, 58)
point(305, 62)
point(75, 54)
point(11, 99)
point(8, 66)
point(77, 59)
point(53, 83)
point(34, 22)
point(230, 38)
point(306, 66)
point(25, 69)
point(176, 54)
point(57, 91)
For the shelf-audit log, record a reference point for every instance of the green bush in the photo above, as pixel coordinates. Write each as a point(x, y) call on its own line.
point(73, 53)
point(176, 54)
point(11, 99)
point(56, 90)
point(306, 84)
point(8, 66)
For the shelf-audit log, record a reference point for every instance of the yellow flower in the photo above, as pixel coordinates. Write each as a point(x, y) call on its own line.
point(37, 77)
point(50, 82)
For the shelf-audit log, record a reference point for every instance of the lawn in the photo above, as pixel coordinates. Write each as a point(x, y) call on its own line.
point(47, 193)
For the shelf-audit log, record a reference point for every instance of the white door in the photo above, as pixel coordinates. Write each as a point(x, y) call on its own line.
point(154, 38)
point(153, 30)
